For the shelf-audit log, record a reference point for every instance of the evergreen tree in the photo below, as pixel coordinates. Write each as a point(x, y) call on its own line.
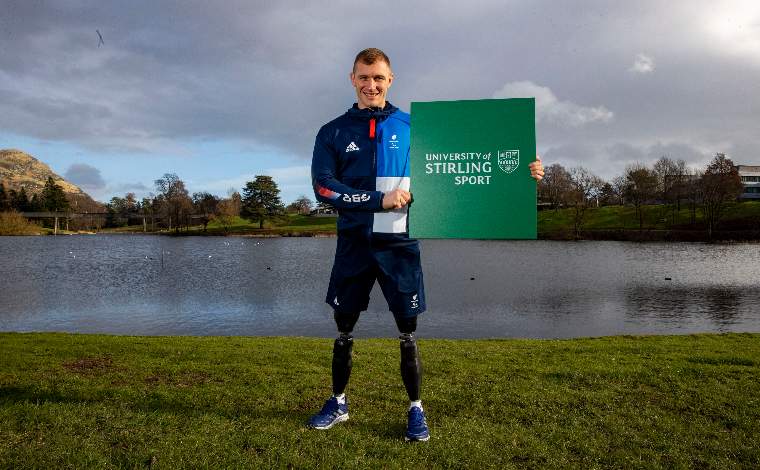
point(53, 197)
point(36, 204)
point(19, 200)
point(5, 203)
point(261, 200)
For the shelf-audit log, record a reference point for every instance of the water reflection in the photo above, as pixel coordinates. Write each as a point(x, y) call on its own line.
point(231, 286)
point(721, 305)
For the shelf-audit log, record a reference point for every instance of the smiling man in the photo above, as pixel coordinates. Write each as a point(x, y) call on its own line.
point(361, 167)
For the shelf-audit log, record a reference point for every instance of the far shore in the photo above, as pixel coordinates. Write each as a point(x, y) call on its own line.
point(647, 235)
point(740, 222)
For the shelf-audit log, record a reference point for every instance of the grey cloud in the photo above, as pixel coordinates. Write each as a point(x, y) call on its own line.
point(550, 109)
point(269, 74)
point(131, 187)
point(85, 176)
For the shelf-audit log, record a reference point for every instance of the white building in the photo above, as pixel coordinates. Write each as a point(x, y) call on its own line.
point(750, 176)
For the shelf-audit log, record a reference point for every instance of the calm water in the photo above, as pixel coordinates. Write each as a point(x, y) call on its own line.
point(243, 286)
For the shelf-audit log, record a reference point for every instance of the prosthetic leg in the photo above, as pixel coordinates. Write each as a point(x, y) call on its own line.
point(344, 343)
point(335, 409)
point(411, 367)
point(411, 374)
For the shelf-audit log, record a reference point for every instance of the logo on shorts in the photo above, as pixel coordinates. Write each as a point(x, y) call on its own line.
point(336, 301)
point(415, 302)
point(508, 160)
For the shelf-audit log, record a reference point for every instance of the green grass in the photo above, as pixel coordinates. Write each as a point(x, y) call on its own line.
point(289, 225)
point(742, 215)
point(94, 401)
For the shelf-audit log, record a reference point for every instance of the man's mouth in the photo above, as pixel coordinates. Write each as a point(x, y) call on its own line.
point(370, 94)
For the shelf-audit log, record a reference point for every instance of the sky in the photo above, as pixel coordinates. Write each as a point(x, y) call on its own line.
point(220, 91)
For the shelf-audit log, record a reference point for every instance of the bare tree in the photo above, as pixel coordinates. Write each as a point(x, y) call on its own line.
point(720, 185)
point(175, 201)
point(229, 210)
point(206, 205)
point(556, 185)
point(670, 177)
point(693, 192)
point(584, 193)
point(640, 188)
point(619, 186)
point(303, 205)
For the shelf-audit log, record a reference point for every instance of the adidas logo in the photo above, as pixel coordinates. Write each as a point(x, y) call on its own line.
point(352, 147)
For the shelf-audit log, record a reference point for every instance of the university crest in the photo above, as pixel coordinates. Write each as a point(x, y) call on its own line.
point(509, 160)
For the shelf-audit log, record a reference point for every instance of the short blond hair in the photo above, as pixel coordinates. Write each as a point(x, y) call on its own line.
point(371, 55)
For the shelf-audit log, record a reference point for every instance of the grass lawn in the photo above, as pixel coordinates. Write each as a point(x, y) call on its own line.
point(289, 225)
point(97, 401)
point(658, 217)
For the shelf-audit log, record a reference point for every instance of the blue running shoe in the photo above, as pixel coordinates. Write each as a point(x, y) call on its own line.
point(416, 428)
point(331, 414)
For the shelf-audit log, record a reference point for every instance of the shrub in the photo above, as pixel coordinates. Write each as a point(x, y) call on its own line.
point(13, 223)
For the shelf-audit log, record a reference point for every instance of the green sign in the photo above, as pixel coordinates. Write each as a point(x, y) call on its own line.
point(469, 169)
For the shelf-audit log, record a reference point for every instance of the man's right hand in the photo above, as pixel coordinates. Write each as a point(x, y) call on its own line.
point(396, 199)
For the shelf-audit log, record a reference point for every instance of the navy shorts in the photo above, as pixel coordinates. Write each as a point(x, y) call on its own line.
point(394, 264)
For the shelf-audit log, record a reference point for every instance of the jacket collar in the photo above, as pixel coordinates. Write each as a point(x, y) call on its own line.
point(367, 113)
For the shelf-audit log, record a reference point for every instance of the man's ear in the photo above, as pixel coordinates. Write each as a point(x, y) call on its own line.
point(390, 80)
point(351, 78)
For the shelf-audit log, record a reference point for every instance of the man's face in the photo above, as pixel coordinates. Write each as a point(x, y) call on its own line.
point(371, 83)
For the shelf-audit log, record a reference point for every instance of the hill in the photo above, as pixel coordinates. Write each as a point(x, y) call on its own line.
point(19, 169)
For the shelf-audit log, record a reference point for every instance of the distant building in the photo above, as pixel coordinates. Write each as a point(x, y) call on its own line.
point(750, 175)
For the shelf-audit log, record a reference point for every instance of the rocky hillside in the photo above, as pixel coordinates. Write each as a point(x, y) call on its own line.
point(19, 169)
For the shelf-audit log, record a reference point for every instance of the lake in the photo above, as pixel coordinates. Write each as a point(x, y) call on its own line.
point(157, 285)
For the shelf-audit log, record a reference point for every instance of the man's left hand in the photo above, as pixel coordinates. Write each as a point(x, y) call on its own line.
point(537, 169)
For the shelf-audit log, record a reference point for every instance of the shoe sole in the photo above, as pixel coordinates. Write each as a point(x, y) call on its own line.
point(421, 439)
point(337, 420)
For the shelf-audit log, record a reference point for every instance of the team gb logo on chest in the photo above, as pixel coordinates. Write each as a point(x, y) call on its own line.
point(393, 143)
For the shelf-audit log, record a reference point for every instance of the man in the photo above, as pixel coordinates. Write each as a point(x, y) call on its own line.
point(361, 166)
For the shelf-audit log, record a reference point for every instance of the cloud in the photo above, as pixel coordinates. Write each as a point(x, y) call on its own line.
point(130, 187)
point(291, 181)
point(85, 176)
point(643, 64)
point(551, 109)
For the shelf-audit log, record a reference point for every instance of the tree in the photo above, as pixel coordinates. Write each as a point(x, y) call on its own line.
point(121, 209)
point(36, 204)
point(229, 210)
point(5, 202)
point(619, 185)
point(19, 200)
point(175, 203)
point(302, 205)
point(640, 188)
point(720, 184)
point(53, 198)
point(556, 185)
point(607, 195)
point(670, 177)
point(261, 200)
point(693, 193)
point(585, 188)
point(148, 208)
point(206, 205)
